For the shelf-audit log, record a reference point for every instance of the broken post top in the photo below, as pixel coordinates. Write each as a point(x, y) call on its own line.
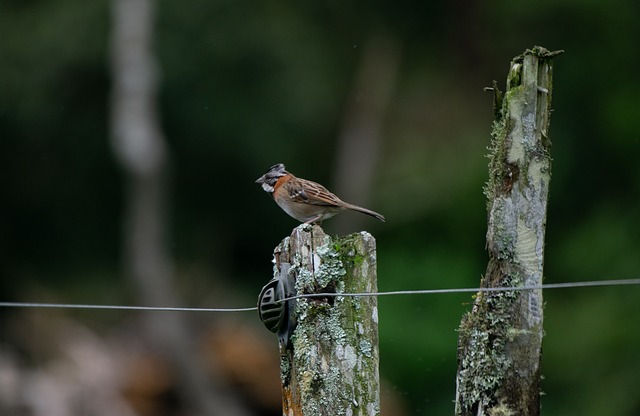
point(540, 52)
point(326, 259)
point(522, 114)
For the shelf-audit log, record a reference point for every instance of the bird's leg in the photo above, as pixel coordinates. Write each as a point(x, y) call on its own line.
point(314, 219)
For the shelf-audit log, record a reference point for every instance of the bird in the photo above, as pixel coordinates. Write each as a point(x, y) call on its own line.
point(306, 201)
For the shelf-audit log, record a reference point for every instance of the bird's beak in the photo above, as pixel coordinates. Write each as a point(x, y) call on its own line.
point(260, 179)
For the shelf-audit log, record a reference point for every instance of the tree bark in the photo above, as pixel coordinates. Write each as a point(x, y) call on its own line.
point(500, 340)
point(331, 364)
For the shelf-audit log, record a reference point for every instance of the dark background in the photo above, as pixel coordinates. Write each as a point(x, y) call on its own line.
point(247, 84)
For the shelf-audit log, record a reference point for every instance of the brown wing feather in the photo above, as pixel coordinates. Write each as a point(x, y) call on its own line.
point(313, 193)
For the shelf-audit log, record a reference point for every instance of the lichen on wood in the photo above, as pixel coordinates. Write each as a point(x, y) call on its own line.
point(500, 340)
point(331, 367)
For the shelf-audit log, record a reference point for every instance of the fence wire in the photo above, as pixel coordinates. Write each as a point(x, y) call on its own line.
point(546, 286)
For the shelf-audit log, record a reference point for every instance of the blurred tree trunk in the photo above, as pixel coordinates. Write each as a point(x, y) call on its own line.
point(360, 139)
point(500, 341)
point(140, 148)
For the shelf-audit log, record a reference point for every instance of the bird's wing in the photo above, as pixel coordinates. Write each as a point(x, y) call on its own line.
point(313, 193)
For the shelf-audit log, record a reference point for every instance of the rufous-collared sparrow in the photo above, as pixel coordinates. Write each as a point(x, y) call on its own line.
point(305, 200)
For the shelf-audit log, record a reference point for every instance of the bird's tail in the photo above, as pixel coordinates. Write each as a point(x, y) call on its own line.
point(365, 211)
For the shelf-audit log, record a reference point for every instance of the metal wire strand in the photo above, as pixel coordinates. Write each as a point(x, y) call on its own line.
point(618, 282)
point(595, 283)
point(121, 307)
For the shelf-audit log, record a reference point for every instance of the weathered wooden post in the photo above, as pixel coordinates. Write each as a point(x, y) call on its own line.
point(500, 340)
point(329, 364)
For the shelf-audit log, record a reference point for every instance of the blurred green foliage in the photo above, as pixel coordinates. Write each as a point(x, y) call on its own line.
point(246, 84)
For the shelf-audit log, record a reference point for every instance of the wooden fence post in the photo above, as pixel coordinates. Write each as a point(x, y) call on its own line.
point(331, 364)
point(500, 340)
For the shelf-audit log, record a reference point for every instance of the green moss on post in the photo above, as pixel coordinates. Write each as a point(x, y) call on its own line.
point(332, 367)
point(500, 340)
